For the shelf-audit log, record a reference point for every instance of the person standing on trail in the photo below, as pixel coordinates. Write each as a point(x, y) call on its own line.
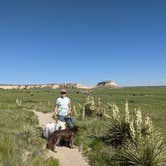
point(63, 108)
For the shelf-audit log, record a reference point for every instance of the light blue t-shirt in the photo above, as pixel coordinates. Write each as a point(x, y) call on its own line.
point(63, 105)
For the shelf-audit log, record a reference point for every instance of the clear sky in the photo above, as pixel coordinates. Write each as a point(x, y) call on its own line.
point(85, 41)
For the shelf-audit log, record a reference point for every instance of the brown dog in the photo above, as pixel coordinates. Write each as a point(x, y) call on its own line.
point(66, 135)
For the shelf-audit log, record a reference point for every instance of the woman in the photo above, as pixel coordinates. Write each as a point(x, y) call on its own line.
point(63, 108)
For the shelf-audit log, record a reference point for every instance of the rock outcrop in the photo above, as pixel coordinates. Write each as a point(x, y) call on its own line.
point(108, 84)
point(53, 86)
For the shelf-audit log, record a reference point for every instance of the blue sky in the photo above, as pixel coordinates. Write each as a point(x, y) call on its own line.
point(83, 41)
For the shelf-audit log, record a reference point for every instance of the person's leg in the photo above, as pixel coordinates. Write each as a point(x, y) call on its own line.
point(61, 118)
point(69, 122)
point(62, 122)
point(72, 119)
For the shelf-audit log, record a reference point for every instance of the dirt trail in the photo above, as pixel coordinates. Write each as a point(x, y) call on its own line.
point(66, 156)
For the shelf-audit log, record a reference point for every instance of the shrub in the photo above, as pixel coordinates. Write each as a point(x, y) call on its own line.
point(149, 152)
point(139, 144)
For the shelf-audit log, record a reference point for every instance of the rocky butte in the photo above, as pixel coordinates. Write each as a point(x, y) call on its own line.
point(108, 83)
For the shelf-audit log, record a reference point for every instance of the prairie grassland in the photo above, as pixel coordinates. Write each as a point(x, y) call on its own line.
point(17, 122)
point(151, 100)
point(20, 139)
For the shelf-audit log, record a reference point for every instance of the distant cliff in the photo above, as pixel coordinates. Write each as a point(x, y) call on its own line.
point(55, 86)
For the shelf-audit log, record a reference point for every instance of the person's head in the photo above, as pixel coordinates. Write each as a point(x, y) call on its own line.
point(63, 92)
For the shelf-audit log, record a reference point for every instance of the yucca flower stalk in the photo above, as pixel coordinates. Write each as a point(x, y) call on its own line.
point(89, 101)
point(100, 110)
point(138, 122)
point(74, 110)
point(92, 104)
point(115, 111)
point(132, 129)
point(82, 110)
point(127, 116)
point(148, 124)
point(18, 102)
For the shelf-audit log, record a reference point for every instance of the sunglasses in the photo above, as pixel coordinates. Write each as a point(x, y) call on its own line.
point(63, 92)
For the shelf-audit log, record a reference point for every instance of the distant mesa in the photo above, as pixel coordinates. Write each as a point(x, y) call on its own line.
point(109, 84)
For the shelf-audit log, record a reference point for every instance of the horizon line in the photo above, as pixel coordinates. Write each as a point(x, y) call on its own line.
point(119, 86)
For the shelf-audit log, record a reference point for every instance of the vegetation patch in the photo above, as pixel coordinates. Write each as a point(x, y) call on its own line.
point(112, 131)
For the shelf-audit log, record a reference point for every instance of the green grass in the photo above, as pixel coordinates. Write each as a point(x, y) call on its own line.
point(150, 100)
point(20, 140)
point(15, 120)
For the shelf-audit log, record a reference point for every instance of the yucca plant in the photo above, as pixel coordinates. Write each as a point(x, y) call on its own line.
point(139, 144)
point(148, 152)
point(29, 133)
point(125, 129)
point(90, 105)
point(120, 128)
point(119, 134)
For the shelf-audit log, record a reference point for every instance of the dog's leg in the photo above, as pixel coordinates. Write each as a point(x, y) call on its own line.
point(54, 149)
point(50, 146)
point(52, 143)
point(71, 143)
point(67, 141)
point(56, 143)
point(58, 140)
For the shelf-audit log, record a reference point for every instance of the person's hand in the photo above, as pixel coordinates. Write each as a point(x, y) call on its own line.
point(54, 115)
point(69, 114)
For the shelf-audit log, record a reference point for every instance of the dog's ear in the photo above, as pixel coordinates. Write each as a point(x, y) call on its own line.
point(76, 128)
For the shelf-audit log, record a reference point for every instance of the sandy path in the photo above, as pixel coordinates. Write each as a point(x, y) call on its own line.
point(66, 156)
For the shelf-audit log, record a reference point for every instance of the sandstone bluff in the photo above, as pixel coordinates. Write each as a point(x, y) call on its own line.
point(109, 84)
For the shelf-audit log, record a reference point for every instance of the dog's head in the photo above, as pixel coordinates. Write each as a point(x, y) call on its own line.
point(75, 129)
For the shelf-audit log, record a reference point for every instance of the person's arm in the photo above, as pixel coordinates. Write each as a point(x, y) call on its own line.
point(56, 109)
point(69, 111)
